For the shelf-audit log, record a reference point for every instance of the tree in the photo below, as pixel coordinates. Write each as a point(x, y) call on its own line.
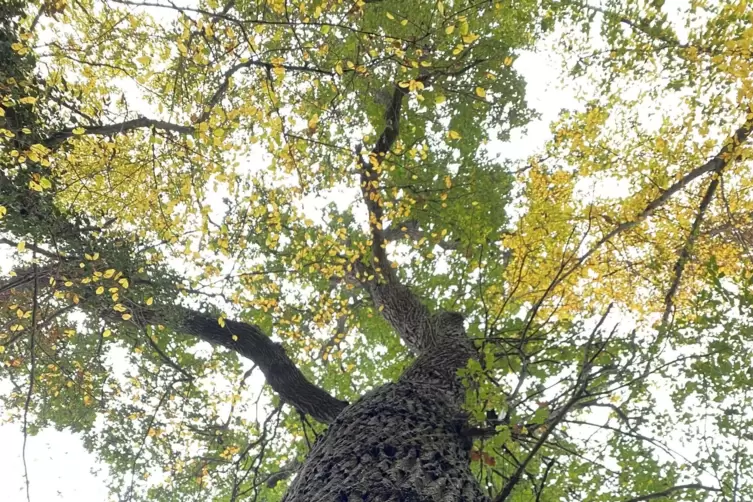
point(297, 183)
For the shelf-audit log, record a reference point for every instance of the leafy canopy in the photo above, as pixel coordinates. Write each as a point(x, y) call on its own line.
point(158, 157)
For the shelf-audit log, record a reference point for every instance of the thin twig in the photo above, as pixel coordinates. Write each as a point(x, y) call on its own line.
point(664, 493)
point(32, 368)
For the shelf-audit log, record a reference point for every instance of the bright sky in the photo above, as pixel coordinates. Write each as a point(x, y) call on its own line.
point(60, 469)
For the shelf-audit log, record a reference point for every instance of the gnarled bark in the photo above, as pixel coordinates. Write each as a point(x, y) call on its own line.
point(403, 441)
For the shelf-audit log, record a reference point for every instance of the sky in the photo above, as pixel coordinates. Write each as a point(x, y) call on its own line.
point(59, 467)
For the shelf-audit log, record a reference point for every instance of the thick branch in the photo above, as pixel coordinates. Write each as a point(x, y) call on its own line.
point(406, 313)
point(686, 249)
point(370, 170)
point(249, 341)
point(668, 491)
point(59, 137)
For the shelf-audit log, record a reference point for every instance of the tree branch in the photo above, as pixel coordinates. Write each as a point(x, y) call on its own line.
point(251, 342)
point(247, 340)
point(370, 171)
point(581, 385)
point(59, 137)
point(668, 491)
point(409, 230)
point(716, 164)
point(686, 249)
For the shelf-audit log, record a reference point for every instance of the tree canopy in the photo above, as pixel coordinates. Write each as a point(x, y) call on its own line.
point(195, 196)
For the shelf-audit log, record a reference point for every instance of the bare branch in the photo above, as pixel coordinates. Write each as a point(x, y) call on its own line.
point(579, 390)
point(32, 376)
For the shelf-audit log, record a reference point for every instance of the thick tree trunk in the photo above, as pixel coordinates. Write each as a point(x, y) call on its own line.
point(400, 442)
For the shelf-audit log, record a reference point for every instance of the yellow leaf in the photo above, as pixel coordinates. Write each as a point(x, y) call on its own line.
point(79, 131)
point(3, 211)
point(390, 16)
point(109, 273)
point(21, 246)
point(221, 322)
point(28, 100)
point(449, 29)
point(149, 300)
point(126, 317)
point(123, 282)
point(508, 60)
point(106, 333)
point(100, 290)
point(480, 92)
point(313, 121)
point(453, 134)
point(235, 338)
point(416, 85)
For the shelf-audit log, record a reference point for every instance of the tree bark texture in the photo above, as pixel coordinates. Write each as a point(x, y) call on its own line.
point(404, 441)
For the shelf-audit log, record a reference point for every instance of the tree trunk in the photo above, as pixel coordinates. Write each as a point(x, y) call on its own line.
point(403, 441)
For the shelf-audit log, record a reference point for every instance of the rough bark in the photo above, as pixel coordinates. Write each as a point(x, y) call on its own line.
point(403, 441)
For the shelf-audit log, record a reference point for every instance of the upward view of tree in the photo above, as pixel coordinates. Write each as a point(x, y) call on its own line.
point(200, 196)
